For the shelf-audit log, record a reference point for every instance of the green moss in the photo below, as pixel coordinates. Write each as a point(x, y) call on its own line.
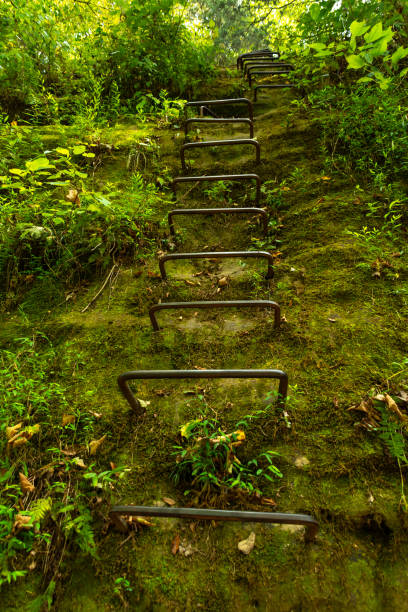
point(343, 331)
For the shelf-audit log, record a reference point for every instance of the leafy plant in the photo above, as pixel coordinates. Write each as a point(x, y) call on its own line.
point(208, 460)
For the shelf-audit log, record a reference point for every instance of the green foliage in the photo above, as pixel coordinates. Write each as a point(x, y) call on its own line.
point(390, 433)
point(207, 459)
point(44, 233)
point(29, 391)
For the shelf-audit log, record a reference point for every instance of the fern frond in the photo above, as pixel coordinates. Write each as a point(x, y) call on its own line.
point(39, 509)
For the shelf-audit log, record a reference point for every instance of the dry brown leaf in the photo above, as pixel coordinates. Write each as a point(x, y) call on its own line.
point(223, 282)
point(391, 405)
point(12, 431)
point(175, 545)
point(25, 484)
point(95, 444)
point(79, 462)
point(169, 501)
point(18, 442)
point(268, 501)
point(68, 453)
point(67, 419)
point(22, 521)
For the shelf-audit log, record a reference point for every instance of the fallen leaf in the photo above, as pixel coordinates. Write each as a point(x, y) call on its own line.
point(11, 431)
point(95, 444)
point(97, 415)
point(223, 282)
point(141, 520)
point(175, 545)
point(79, 462)
point(68, 453)
point(190, 283)
point(25, 484)
point(391, 405)
point(268, 501)
point(246, 546)
point(403, 395)
point(22, 521)
point(18, 442)
point(67, 419)
point(169, 501)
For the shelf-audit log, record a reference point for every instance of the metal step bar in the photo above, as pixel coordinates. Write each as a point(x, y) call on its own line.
point(217, 211)
point(214, 304)
point(199, 514)
point(134, 403)
point(227, 102)
point(219, 121)
point(219, 143)
point(219, 177)
point(216, 255)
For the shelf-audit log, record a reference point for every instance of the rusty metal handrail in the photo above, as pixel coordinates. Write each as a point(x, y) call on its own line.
point(266, 52)
point(224, 102)
point(272, 65)
point(265, 72)
point(248, 61)
point(216, 255)
point(310, 523)
point(248, 122)
point(181, 374)
point(215, 211)
point(269, 86)
point(220, 177)
point(219, 143)
point(214, 304)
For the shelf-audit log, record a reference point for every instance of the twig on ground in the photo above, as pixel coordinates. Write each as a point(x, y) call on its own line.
point(105, 282)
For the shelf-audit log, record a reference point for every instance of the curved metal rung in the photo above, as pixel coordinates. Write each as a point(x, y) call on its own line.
point(220, 121)
point(265, 72)
point(134, 403)
point(214, 304)
point(269, 86)
point(230, 101)
point(310, 523)
point(215, 211)
point(262, 60)
point(219, 143)
point(272, 65)
point(216, 255)
point(266, 52)
point(220, 177)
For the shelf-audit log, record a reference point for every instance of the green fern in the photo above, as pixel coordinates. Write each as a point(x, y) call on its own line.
point(390, 434)
point(81, 526)
point(40, 508)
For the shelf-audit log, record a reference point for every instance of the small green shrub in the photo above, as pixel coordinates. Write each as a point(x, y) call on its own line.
point(207, 460)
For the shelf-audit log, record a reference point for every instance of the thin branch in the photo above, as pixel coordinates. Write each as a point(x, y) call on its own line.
point(273, 8)
point(95, 297)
